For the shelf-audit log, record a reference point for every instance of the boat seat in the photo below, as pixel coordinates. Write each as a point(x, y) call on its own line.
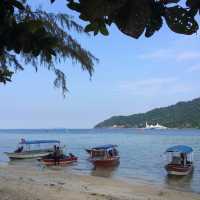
point(176, 160)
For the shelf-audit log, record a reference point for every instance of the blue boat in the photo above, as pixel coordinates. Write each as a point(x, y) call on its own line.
point(33, 149)
point(181, 160)
point(104, 155)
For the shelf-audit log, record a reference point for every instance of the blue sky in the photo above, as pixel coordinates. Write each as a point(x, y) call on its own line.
point(132, 76)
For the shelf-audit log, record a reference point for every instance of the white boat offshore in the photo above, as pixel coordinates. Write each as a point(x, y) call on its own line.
point(33, 149)
point(157, 126)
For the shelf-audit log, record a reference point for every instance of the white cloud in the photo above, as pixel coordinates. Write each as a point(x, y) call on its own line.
point(146, 82)
point(188, 56)
point(194, 68)
point(158, 54)
point(154, 86)
point(174, 55)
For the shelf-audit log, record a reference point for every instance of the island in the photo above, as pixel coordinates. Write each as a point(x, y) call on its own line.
point(181, 115)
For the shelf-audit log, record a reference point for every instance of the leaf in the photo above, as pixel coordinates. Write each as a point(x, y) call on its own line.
point(154, 24)
point(169, 1)
point(193, 3)
point(96, 9)
point(34, 25)
point(179, 20)
point(52, 52)
point(74, 6)
point(193, 11)
point(18, 5)
point(96, 32)
point(83, 17)
point(132, 18)
point(91, 27)
point(155, 21)
point(104, 30)
point(5, 75)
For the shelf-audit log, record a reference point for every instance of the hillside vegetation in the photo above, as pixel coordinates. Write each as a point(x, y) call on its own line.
point(180, 115)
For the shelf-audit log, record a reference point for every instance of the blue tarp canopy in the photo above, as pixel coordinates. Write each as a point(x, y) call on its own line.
point(39, 141)
point(180, 149)
point(105, 147)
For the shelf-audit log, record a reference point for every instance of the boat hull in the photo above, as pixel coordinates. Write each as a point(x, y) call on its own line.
point(105, 162)
point(61, 162)
point(178, 170)
point(28, 155)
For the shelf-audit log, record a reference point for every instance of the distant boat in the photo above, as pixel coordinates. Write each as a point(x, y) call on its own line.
point(118, 126)
point(104, 156)
point(33, 149)
point(157, 126)
point(181, 160)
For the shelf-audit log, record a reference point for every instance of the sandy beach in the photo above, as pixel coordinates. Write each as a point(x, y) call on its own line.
point(22, 183)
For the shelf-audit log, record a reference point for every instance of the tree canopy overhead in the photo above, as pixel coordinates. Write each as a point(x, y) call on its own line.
point(135, 17)
point(38, 38)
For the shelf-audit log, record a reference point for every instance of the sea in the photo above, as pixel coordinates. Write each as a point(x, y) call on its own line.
point(142, 152)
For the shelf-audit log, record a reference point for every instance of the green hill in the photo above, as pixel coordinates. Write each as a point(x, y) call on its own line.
point(181, 115)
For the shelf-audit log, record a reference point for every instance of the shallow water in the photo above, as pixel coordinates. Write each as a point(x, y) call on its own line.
point(141, 152)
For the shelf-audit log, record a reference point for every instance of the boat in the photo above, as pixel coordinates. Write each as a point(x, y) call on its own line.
point(104, 156)
point(88, 151)
point(64, 160)
point(33, 149)
point(157, 126)
point(181, 160)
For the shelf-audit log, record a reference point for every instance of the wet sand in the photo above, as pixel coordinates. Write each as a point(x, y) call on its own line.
point(25, 183)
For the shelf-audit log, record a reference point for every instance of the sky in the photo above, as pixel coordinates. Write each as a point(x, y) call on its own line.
point(133, 76)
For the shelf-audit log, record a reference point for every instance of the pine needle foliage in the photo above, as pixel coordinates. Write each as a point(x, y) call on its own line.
point(39, 38)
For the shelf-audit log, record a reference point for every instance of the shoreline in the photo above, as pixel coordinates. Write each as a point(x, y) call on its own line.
point(22, 183)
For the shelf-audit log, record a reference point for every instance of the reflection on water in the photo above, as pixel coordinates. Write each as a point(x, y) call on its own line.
point(24, 162)
point(104, 171)
point(141, 152)
point(179, 182)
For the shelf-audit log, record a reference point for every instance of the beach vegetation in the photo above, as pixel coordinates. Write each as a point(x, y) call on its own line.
point(181, 115)
point(39, 38)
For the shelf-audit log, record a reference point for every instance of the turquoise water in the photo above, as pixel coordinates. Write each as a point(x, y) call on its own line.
point(141, 152)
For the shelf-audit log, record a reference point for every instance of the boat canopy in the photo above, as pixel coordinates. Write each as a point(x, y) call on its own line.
point(104, 147)
point(39, 142)
point(180, 149)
